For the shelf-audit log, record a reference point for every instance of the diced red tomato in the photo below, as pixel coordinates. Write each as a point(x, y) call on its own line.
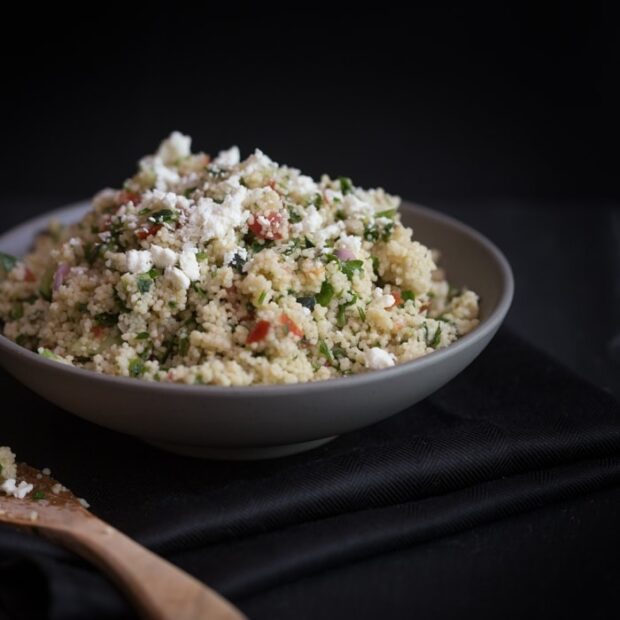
point(292, 327)
point(97, 331)
point(124, 196)
point(260, 331)
point(398, 300)
point(29, 276)
point(270, 231)
point(144, 233)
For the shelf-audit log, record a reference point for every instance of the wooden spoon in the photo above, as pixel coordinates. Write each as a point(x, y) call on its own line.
point(159, 590)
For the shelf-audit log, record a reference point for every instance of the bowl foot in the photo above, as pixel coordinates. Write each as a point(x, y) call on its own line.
point(254, 453)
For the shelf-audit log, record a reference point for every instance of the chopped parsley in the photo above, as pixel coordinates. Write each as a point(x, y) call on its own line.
point(388, 213)
point(38, 495)
point(165, 216)
point(7, 262)
point(436, 338)
point(325, 352)
point(346, 185)
point(106, 319)
point(326, 294)
point(407, 295)
point(349, 267)
point(136, 367)
point(201, 256)
point(362, 313)
point(293, 216)
point(144, 282)
point(318, 201)
point(142, 336)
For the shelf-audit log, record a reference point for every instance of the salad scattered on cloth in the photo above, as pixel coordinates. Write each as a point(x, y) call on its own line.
point(208, 270)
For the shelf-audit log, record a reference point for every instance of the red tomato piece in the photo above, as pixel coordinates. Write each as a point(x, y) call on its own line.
point(260, 331)
point(271, 230)
point(292, 327)
point(143, 233)
point(29, 276)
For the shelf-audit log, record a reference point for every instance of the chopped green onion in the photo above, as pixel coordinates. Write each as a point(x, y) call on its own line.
point(436, 338)
point(201, 256)
point(362, 313)
point(388, 213)
point(293, 216)
point(262, 297)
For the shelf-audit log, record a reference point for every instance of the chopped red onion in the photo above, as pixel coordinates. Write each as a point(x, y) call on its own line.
point(60, 275)
point(344, 254)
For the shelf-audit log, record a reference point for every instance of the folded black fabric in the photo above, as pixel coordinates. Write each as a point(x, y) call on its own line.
point(513, 433)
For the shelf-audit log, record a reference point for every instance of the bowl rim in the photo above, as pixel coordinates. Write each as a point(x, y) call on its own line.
point(486, 327)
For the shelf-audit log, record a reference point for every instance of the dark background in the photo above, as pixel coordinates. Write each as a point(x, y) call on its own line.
point(504, 115)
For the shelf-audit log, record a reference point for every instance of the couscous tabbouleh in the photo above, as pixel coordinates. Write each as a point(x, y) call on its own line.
point(229, 272)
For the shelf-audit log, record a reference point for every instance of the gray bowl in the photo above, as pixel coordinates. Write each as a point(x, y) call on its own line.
point(271, 421)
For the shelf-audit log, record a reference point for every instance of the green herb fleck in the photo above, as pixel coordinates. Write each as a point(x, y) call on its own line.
point(318, 201)
point(237, 262)
point(325, 294)
point(47, 281)
point(106, 319)
point(144, 282)
point(362, 313)
point(325, 352)
point(143, 336)
point(293, 216)
point(7, 262)
point(346, 185)
point(407, 295)
point(436, 338)
point(388, 213)
point(349, 267)
point(261, 298)
point(340, 215)
point(201, 256)
point(164, 216)
point(38, 495)
point(17, 311)
point(136, 367)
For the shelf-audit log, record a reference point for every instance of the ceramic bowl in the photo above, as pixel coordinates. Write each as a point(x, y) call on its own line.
point(272, 421)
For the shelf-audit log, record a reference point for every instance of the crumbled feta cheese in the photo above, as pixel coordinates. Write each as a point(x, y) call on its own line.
point(210, 220)
point(19, 491)
point(351, 243)
point(139, 261)
point(304, 184)
point(329, 232)
point(189, 264)
point(229, 158)
point(163, 257)
point(377, 358)
point(385, 301)
point(312, 222)
point(83, 502)
point(34, 515)
point(175, 147)
point(178, 278)
point(46, 471)
point(356, 208)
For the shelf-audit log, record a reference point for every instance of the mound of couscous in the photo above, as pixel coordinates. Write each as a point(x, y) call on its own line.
point(229, 272)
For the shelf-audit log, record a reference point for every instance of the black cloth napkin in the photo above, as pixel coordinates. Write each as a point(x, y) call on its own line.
point(513, 434)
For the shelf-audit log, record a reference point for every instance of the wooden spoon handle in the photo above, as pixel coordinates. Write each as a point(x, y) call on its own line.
point(159, 590)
